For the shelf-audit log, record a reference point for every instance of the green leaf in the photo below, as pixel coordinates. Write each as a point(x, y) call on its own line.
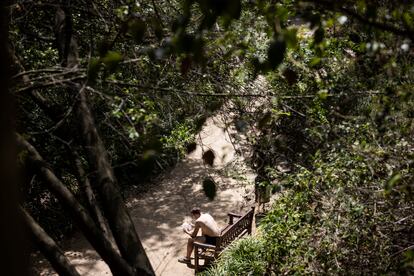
point(276, 53)
point(157, 27)
point(408, 19)
point(103, 47)
point(282, 13)
point(318, 35)
point(191, 147)
point(361, 6)
point(323, 94)
point(290, 36)
point(371, 10)
point(183, 42)
point(314, 19)
point(198, 49)
point(315, 61)
point(233, 9)
point(112, 59)
point(209, 188)
point(149, 154)
point(395, 179)
point(209, 157)
point(185, 65)
point(290, 75)
point(265, 120)
point(137, 28)
point(93, 70)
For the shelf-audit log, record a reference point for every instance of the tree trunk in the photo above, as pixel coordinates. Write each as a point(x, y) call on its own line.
point(14, 252)
point(120, 222)
point(89, 194)
point(116, 213)
point(100, 242)
point(48, 247)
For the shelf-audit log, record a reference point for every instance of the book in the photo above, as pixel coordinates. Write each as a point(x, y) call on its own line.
point(187, 227)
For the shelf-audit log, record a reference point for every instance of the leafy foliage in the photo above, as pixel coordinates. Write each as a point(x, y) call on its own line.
point(146, 110)
point(330, 117)
point(243, 257)
point(337, 217)
point(330, 137)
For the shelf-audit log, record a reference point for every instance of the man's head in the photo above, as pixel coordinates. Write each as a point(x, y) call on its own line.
point(195, 212)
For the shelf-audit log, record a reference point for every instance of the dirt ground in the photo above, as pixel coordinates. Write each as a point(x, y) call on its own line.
point(159, 213)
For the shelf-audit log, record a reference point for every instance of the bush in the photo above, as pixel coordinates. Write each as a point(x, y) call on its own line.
point(242, 257)
point(348, 214)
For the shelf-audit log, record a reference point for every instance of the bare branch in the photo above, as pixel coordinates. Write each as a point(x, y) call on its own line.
point(268, 93)
point(338, 6)
point(46, 70)
point(94, 235)
point(48, 247)
point(49, 84)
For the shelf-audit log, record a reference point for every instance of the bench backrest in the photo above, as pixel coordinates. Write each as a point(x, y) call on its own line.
point(239, 228)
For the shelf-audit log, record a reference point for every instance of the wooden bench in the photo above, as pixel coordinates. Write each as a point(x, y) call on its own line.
point(238, 226)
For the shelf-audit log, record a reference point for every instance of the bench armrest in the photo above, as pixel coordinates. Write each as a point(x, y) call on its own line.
point(204, 245)
point(232, 216)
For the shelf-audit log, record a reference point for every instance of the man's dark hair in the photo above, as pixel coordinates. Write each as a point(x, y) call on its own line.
point(195, 211)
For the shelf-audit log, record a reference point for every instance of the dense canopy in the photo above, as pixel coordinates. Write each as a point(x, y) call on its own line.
point(102, 95)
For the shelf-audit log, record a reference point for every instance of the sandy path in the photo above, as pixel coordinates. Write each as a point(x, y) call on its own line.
point(159, 213)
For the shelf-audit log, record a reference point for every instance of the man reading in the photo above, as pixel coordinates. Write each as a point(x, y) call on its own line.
point(209, 230)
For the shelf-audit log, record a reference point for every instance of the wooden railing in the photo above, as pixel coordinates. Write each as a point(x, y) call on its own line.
point(239, 225)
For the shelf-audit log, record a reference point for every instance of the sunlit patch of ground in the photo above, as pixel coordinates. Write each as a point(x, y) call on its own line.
point(159, 213)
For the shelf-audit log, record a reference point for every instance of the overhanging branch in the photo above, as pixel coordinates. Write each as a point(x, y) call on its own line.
point(338, 7)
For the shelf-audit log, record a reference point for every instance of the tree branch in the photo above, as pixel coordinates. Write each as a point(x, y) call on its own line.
point(337, 6)
point(49, 84)
point(48, 247)
point(94, 235)
point(268, 93)
point(118, 217)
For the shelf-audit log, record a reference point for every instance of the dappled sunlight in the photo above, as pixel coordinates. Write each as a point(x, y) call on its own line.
point(82, 256)
point(158, 214)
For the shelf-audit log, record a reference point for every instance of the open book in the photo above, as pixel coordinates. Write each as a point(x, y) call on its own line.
point(187, 227)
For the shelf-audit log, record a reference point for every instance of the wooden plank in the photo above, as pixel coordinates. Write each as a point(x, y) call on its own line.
point(234, 230)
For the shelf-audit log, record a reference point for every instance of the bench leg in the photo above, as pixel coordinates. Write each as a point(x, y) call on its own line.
point(196, 259)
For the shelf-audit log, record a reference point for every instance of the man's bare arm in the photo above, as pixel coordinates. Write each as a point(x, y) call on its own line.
point(195, 232)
